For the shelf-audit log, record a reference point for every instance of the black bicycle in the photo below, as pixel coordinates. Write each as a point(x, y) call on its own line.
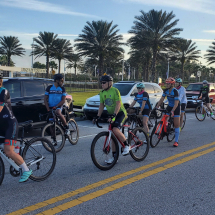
point(56, 133)
point(34, 153)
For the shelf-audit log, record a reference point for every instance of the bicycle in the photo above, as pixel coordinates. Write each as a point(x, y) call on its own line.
point(34, 154)
point(106, 142)
point(202, 110)
point(56, 133)
point(162, 129)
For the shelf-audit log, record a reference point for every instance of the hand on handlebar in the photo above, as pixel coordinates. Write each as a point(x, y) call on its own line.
point(96, 119)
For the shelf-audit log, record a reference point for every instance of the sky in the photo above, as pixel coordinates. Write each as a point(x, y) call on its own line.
point(67, 18)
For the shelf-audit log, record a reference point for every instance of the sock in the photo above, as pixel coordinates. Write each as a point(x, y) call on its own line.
point(177, 132)
point(24, 167)
point(125, 143)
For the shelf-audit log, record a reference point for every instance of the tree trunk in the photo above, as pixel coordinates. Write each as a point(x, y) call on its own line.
point(47, 66)
point(59, 61)
point(75, 70)
point(182, 71)
point(154, 65)
point(8, 60)
point(101, 65)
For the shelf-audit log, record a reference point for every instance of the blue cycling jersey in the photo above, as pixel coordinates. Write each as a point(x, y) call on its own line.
point(55, 95)
point(171, 96)
point(143, 97)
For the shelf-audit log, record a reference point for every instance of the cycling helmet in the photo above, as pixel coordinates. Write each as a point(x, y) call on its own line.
point(106, 77)
point(1, 75)
point(205, 82)
point(170, 80)
point(178, 80)
point(140, 85)
point(58, 77)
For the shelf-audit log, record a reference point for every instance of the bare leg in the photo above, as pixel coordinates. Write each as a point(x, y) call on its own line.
point(61, 117)
point(9, 151)
point(145, 124)
point(119, 134)
point(181, 119)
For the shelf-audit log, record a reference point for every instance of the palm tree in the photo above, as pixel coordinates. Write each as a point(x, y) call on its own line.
point(4, 61)
point(10, 46)
point(155, 30)
point(53, 65)
point(210, 56)
point(185, 51)
point(44, 46)
point(99, 40)
point(76, 62)
point(62, 50)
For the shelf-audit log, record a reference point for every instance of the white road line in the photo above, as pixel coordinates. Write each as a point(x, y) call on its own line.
point(88, 136)
point(87, 126)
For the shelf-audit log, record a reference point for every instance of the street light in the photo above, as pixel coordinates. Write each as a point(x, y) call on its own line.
point(33, 53)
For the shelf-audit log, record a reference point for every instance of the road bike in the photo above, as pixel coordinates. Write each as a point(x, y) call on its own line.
point(202, 111)
point(55, 131)
point(106, 142)
point(35, 155)
point(165, 127)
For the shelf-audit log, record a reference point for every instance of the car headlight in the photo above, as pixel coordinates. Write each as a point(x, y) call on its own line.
point(194, 97)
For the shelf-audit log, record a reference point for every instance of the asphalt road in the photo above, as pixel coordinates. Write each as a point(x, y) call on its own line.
point(169, 181)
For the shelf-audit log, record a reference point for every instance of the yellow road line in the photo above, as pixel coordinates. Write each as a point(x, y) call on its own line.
point(120, 184)
point(105, 181)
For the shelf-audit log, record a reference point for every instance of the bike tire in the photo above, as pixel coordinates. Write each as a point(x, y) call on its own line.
point(135, 153)
point(129, 122)
point(47, 134)
point(213, 111)
point(99, 140)
point(198, 111)
point(184, 121)
point(171, 132)
point(2, 170)
point(74, 134)
point(31, 151)
point(154, 142)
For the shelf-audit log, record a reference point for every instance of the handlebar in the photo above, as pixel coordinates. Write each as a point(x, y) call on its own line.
point(102, 119)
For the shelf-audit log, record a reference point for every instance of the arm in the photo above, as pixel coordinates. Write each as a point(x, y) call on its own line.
point(133, 103)
point(181, 94)
point(101, 108)
point(1, 108)
point(61, 102)
point(175, 105)
point(176, 98)
point(118, 105)
point(46, 98)
point(143, 105)
point(160, 102)
point(2, 100)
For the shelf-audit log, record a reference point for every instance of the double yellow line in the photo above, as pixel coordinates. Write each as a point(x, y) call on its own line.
point(115, 186)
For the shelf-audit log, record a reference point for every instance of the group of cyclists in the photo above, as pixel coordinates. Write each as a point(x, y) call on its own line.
point(110, 98)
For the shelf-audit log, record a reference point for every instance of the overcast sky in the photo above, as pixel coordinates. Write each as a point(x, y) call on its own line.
point(26, 18)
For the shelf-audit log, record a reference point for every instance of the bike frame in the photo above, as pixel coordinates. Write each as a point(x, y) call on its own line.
point(164, 120)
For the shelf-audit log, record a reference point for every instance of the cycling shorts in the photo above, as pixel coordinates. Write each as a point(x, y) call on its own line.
point(176, 112)
point(183, 107)
point(9, 129)
point(206, 99)
point(119, 120)
point(146, 112)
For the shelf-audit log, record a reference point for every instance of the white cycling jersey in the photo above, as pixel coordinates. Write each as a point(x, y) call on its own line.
point(182, 95)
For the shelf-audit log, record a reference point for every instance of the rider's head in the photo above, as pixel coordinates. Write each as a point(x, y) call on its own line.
point(170, 82)
point(205, 83)
point(106, 81)
point(58, 78)
point(178, 82)
point(140, 87)
point(1, 78)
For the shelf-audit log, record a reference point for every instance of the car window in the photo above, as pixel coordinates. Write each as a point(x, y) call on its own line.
point(149, 88)
point(157, 89)
point(14, 88)
point(134, 91)
point(33, 88)
point(194, 87)
point(124, 89)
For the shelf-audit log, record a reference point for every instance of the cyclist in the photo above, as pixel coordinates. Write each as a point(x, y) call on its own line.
point(143, 99)
point(9, 129)
point(111, 99)
point(173, 105)
point(182, 98)
point(204, 95)
point(55, 97)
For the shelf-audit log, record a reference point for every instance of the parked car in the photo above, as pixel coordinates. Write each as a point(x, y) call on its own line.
point(128, 90)
point(27, 98)
point(192, 93)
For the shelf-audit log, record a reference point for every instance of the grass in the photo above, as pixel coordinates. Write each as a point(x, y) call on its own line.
point(80, 97)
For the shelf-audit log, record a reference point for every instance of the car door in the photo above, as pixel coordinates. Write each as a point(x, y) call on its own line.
point(152, 95)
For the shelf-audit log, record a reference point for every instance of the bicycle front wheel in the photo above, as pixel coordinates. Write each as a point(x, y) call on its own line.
point(156, 134)
point(55, 135)
point(200, 113)
point(2, 170)
point(73, 136)
point(40, 160)
point(171, 132)
point(139, 142)
point(102, 151)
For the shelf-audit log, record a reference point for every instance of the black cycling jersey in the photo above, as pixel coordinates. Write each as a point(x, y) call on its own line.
point(204, 91)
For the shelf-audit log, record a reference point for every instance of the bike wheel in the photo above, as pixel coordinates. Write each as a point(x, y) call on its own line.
point(101, 150)
point(171, 133)
point(2, 170)
point(139, 142)
point(156, 134)
point(73, 136)
point(129, 123)
point(40, 160)
point(152, 122)
point(59, 141)
point(200, 113)
point(213, 111)
point(184, 121)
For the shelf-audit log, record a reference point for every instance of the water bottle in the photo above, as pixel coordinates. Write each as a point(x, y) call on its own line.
point(16, 149)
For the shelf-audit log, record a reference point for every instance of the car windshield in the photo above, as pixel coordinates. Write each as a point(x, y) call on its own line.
point(124, 89)
point(194, 87)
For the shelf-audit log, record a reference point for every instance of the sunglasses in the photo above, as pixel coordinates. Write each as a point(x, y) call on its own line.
point(139, 88)
point(103, 82)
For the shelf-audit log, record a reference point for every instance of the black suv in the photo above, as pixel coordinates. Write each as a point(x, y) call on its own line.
point(27, 98)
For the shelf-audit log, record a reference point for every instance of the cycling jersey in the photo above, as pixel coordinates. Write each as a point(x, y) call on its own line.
point(143, 97)
point(55, 95)
point(109, 99)
point(204, 91)
point(171, 96)
point(182, 95)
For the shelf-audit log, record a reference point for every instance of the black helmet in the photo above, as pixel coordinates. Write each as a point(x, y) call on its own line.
point(106, 77)
point(1, 75)
point(58, 77)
